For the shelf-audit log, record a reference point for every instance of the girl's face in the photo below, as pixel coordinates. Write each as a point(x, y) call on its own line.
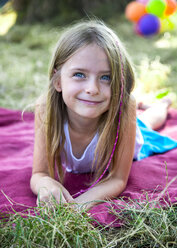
point(85, 83)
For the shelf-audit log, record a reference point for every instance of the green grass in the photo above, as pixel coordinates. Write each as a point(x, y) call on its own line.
point(63, 226)
point(24, 64)
point(58, 226)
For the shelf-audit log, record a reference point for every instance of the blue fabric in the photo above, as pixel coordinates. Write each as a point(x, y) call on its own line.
point(154, 142)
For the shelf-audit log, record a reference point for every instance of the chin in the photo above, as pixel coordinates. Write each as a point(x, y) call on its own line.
point(91, 115)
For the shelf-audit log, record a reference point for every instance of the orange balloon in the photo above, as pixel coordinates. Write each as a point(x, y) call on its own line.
point(134, 11)
point(171, 7)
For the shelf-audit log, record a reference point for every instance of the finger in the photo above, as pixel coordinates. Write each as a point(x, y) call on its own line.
point(58, 196)
point(42, 200)
point(44, 197)
point(68, 197)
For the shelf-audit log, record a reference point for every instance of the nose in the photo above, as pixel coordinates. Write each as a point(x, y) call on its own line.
point(92, 87)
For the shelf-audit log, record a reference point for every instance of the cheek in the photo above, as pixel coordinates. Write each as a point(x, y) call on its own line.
point(107, 92)
point(72, 90)
point(69, 91)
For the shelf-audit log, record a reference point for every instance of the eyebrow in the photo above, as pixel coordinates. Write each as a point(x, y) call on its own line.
point(83, 69)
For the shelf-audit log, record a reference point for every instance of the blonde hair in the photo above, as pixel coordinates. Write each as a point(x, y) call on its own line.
point(79, 35)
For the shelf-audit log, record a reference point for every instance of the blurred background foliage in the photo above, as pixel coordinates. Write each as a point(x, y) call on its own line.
point(29, 30)
point(63, 11)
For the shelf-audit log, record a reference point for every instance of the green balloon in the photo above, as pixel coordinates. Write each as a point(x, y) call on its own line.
point(156, 7)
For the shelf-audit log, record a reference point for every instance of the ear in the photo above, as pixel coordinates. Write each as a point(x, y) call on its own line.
point(57, 85)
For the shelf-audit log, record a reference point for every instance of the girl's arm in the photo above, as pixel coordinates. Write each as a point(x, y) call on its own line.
point(117, 183)
point(41, 183)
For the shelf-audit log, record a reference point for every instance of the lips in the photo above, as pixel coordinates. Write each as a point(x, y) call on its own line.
point(89, 102)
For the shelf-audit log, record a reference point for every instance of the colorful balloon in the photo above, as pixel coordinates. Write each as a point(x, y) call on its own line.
point(166, 25)
point(148, 25)
point(156, 7)
point(134, 11)
point(152, 16)
point(170, 7)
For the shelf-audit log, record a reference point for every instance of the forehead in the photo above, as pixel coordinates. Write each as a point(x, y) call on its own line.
point(90, 56)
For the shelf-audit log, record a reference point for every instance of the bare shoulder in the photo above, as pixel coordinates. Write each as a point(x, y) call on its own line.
point(132, 109)
point(40, 110)
point(132, 101)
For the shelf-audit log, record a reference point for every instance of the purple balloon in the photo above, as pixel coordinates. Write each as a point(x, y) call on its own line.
point(148, 24)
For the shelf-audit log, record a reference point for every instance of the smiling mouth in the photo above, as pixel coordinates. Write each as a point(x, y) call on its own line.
point(89, 102)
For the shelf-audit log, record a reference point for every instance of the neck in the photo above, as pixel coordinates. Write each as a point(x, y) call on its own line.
point(83, 126)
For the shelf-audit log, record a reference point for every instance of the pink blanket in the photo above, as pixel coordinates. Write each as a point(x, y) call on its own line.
point(16, 151)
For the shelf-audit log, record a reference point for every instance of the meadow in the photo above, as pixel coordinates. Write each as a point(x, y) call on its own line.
point(25, 53)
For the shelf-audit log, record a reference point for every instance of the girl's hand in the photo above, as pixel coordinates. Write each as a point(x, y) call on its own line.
point(41, 183)
point(49, 189)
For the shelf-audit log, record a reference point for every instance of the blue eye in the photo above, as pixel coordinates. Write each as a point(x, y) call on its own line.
point(106, 78)
point(79, 75)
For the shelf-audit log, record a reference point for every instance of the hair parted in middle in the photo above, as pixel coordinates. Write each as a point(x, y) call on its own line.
point(74, 38)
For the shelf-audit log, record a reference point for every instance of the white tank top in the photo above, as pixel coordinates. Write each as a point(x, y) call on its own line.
point(84, 163)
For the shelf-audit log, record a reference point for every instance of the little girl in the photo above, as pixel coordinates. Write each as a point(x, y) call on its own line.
point(87, 123)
